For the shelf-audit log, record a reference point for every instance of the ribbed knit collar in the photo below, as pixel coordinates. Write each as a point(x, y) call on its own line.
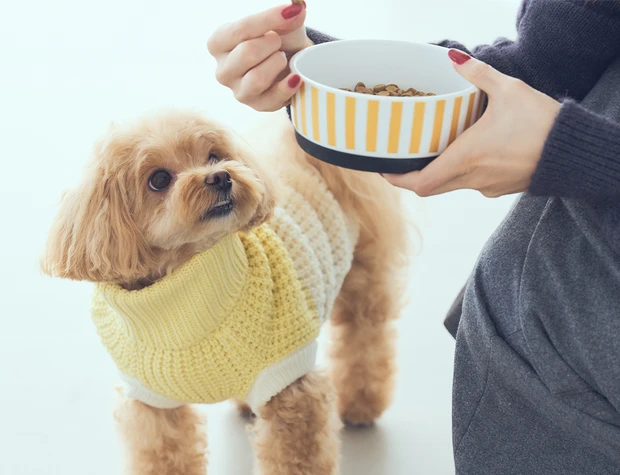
point(186, 305)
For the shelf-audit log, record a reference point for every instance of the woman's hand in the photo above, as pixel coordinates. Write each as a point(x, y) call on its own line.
point(252, 56)
point(498, 154)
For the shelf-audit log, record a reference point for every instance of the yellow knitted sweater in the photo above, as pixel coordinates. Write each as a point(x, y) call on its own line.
point(239, 320)
point(203, 334)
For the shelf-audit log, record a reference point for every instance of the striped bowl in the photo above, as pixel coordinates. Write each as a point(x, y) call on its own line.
point(377, 133)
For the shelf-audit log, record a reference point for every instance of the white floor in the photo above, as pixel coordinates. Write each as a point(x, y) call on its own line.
point(70, 67)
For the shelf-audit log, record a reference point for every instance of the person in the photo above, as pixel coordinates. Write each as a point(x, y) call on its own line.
point(537, 362)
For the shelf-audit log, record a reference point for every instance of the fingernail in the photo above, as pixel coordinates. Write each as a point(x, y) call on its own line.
point(292, 11)
point(458, 56)
point(294, 81)
point(305, 6)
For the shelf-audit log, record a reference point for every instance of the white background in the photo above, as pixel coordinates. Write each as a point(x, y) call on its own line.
point(67, 69)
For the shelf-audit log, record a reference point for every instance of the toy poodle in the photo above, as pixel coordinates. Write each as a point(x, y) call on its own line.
point(216, 259)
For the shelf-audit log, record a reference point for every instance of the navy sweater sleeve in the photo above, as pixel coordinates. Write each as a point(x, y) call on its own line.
point(581, 158)
point(562, 49)
point(317, 37)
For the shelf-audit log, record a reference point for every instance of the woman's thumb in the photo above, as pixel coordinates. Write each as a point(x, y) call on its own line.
point(478, 73)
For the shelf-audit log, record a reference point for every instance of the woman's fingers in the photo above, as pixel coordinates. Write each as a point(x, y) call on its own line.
point(279, 19)
point(246, 56)
point(252, 55)
point(430, 181)
point(478, 73)
point(452, 170)
point(278, 94)
point(260, 78)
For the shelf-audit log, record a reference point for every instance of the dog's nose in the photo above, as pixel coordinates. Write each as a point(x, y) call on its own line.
point(220, 180)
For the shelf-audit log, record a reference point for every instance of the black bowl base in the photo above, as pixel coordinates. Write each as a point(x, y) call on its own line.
point(361, 162)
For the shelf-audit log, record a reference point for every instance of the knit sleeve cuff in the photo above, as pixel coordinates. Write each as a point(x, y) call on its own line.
point(318, 38)
point(453, 45)
point(581, 158)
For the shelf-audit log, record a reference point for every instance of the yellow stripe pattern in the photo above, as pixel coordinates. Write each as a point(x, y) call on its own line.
point(456, 116)
point(395, 120)
point(470, 109)
point(294, 110)
point(383, 123)
point(302, 108)
point(350, 104)
point(315, 115)
point(440, 109)
point(372, 126)
point(418, 123)
point(331, 119)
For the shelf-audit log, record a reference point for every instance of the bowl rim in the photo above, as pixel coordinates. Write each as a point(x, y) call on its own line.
point(306, 80)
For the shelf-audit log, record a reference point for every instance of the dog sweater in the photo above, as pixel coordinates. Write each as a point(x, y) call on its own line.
point(239, 320)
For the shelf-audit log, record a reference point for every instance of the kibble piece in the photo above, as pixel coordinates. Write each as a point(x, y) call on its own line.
point(391, 90)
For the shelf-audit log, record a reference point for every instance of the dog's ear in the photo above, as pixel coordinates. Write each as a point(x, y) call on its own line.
point(94, 236)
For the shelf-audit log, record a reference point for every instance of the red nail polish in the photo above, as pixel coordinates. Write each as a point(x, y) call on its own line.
point(292, 11)
point(294, 81)
point(458, 56)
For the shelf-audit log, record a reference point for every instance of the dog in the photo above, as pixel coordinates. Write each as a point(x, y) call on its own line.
point(215, 259)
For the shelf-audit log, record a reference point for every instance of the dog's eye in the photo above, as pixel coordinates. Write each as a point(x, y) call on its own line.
point(160, 180)
point(213, 158)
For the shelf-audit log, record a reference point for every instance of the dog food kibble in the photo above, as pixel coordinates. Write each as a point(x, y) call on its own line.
point(387, 90)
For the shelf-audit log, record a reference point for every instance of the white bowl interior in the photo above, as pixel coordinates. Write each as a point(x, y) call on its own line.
point(344, 63)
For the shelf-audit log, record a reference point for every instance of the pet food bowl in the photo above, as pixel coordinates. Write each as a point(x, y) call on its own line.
point(384, 134)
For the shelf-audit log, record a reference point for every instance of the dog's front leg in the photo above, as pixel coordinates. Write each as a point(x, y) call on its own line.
point(162, 441)
point(297, 432)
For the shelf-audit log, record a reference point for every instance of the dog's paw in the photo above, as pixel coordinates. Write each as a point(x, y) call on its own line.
point(357, 420)
point(360, 413)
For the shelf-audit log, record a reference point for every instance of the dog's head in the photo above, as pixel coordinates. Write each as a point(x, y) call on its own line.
point(157, 192)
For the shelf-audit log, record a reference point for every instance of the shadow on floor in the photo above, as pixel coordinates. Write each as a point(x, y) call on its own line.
point(366, 451)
